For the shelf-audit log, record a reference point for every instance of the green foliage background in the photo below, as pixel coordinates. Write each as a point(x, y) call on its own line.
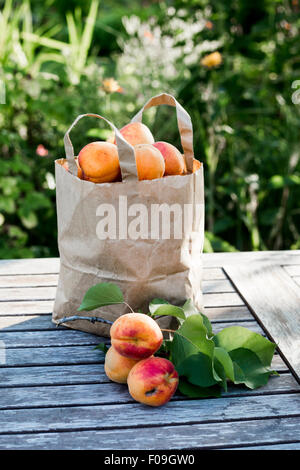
point(246, 126)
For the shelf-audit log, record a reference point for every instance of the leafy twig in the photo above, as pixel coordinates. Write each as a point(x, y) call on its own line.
point(77, 317)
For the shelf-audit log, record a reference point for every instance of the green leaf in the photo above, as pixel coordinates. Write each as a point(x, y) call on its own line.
point(181, 348)
point(207, 325)
point(103, 347)
point(194, 359)
point(155, 303)
point(193, 328)
point(249, 368)
point(224, 358)
point(190, 309)
point(104, 293)
point(198, 369)
point(219, 373)
point(236, 337)
point(194, 391)
point(158, 307)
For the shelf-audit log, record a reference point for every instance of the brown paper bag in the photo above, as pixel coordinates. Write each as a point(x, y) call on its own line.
point(145, 236)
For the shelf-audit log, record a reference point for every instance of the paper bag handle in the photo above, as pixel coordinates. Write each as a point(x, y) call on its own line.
point(184, 124)
point(125, 150)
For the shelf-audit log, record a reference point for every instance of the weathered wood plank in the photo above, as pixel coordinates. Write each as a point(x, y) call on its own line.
point(27, 323)
point(27, 293)
point(55, 375)
point(26, 308)
point(45, 339)
point(31, 280)
point(105, 392)
point(293, 270)
point(29, 266)
point(222, 300)
point(217, 286)
point(198, 436)
point(223, 314)
point(175, 412)
point(214, 260)
point(213, 274)
point(286, 446)
point(53, 356)
point(297, 280)
point(18, 357)
point(275, 301)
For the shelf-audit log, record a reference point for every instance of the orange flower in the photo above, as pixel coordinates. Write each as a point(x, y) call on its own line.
point(41, 151)
point(212, 60)
point(209, 25)
point(110, 85)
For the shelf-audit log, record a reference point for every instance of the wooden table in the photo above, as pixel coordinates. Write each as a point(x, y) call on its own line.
point(55, 395)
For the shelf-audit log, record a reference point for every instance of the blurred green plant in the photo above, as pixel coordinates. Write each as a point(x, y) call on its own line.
point(73, 55)
point(231, 65)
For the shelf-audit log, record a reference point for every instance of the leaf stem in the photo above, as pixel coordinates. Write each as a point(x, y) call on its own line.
point(77, 317)
point(128, 306)
point(169, 331)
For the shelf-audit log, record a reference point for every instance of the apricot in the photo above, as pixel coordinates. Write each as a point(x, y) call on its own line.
point(137, 133)
point(153, 381)
point(174, 160)
point(136, 336)
point(117, 367)
point(196, 165)
point(99, 162)
point(149, 161)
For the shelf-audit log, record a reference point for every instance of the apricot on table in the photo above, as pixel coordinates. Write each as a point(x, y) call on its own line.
point(174, 160)
point(99, 162)
point(136, 336)
point(137, 133)
point(149, 161)
point(117, 367)
point(153, 381)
